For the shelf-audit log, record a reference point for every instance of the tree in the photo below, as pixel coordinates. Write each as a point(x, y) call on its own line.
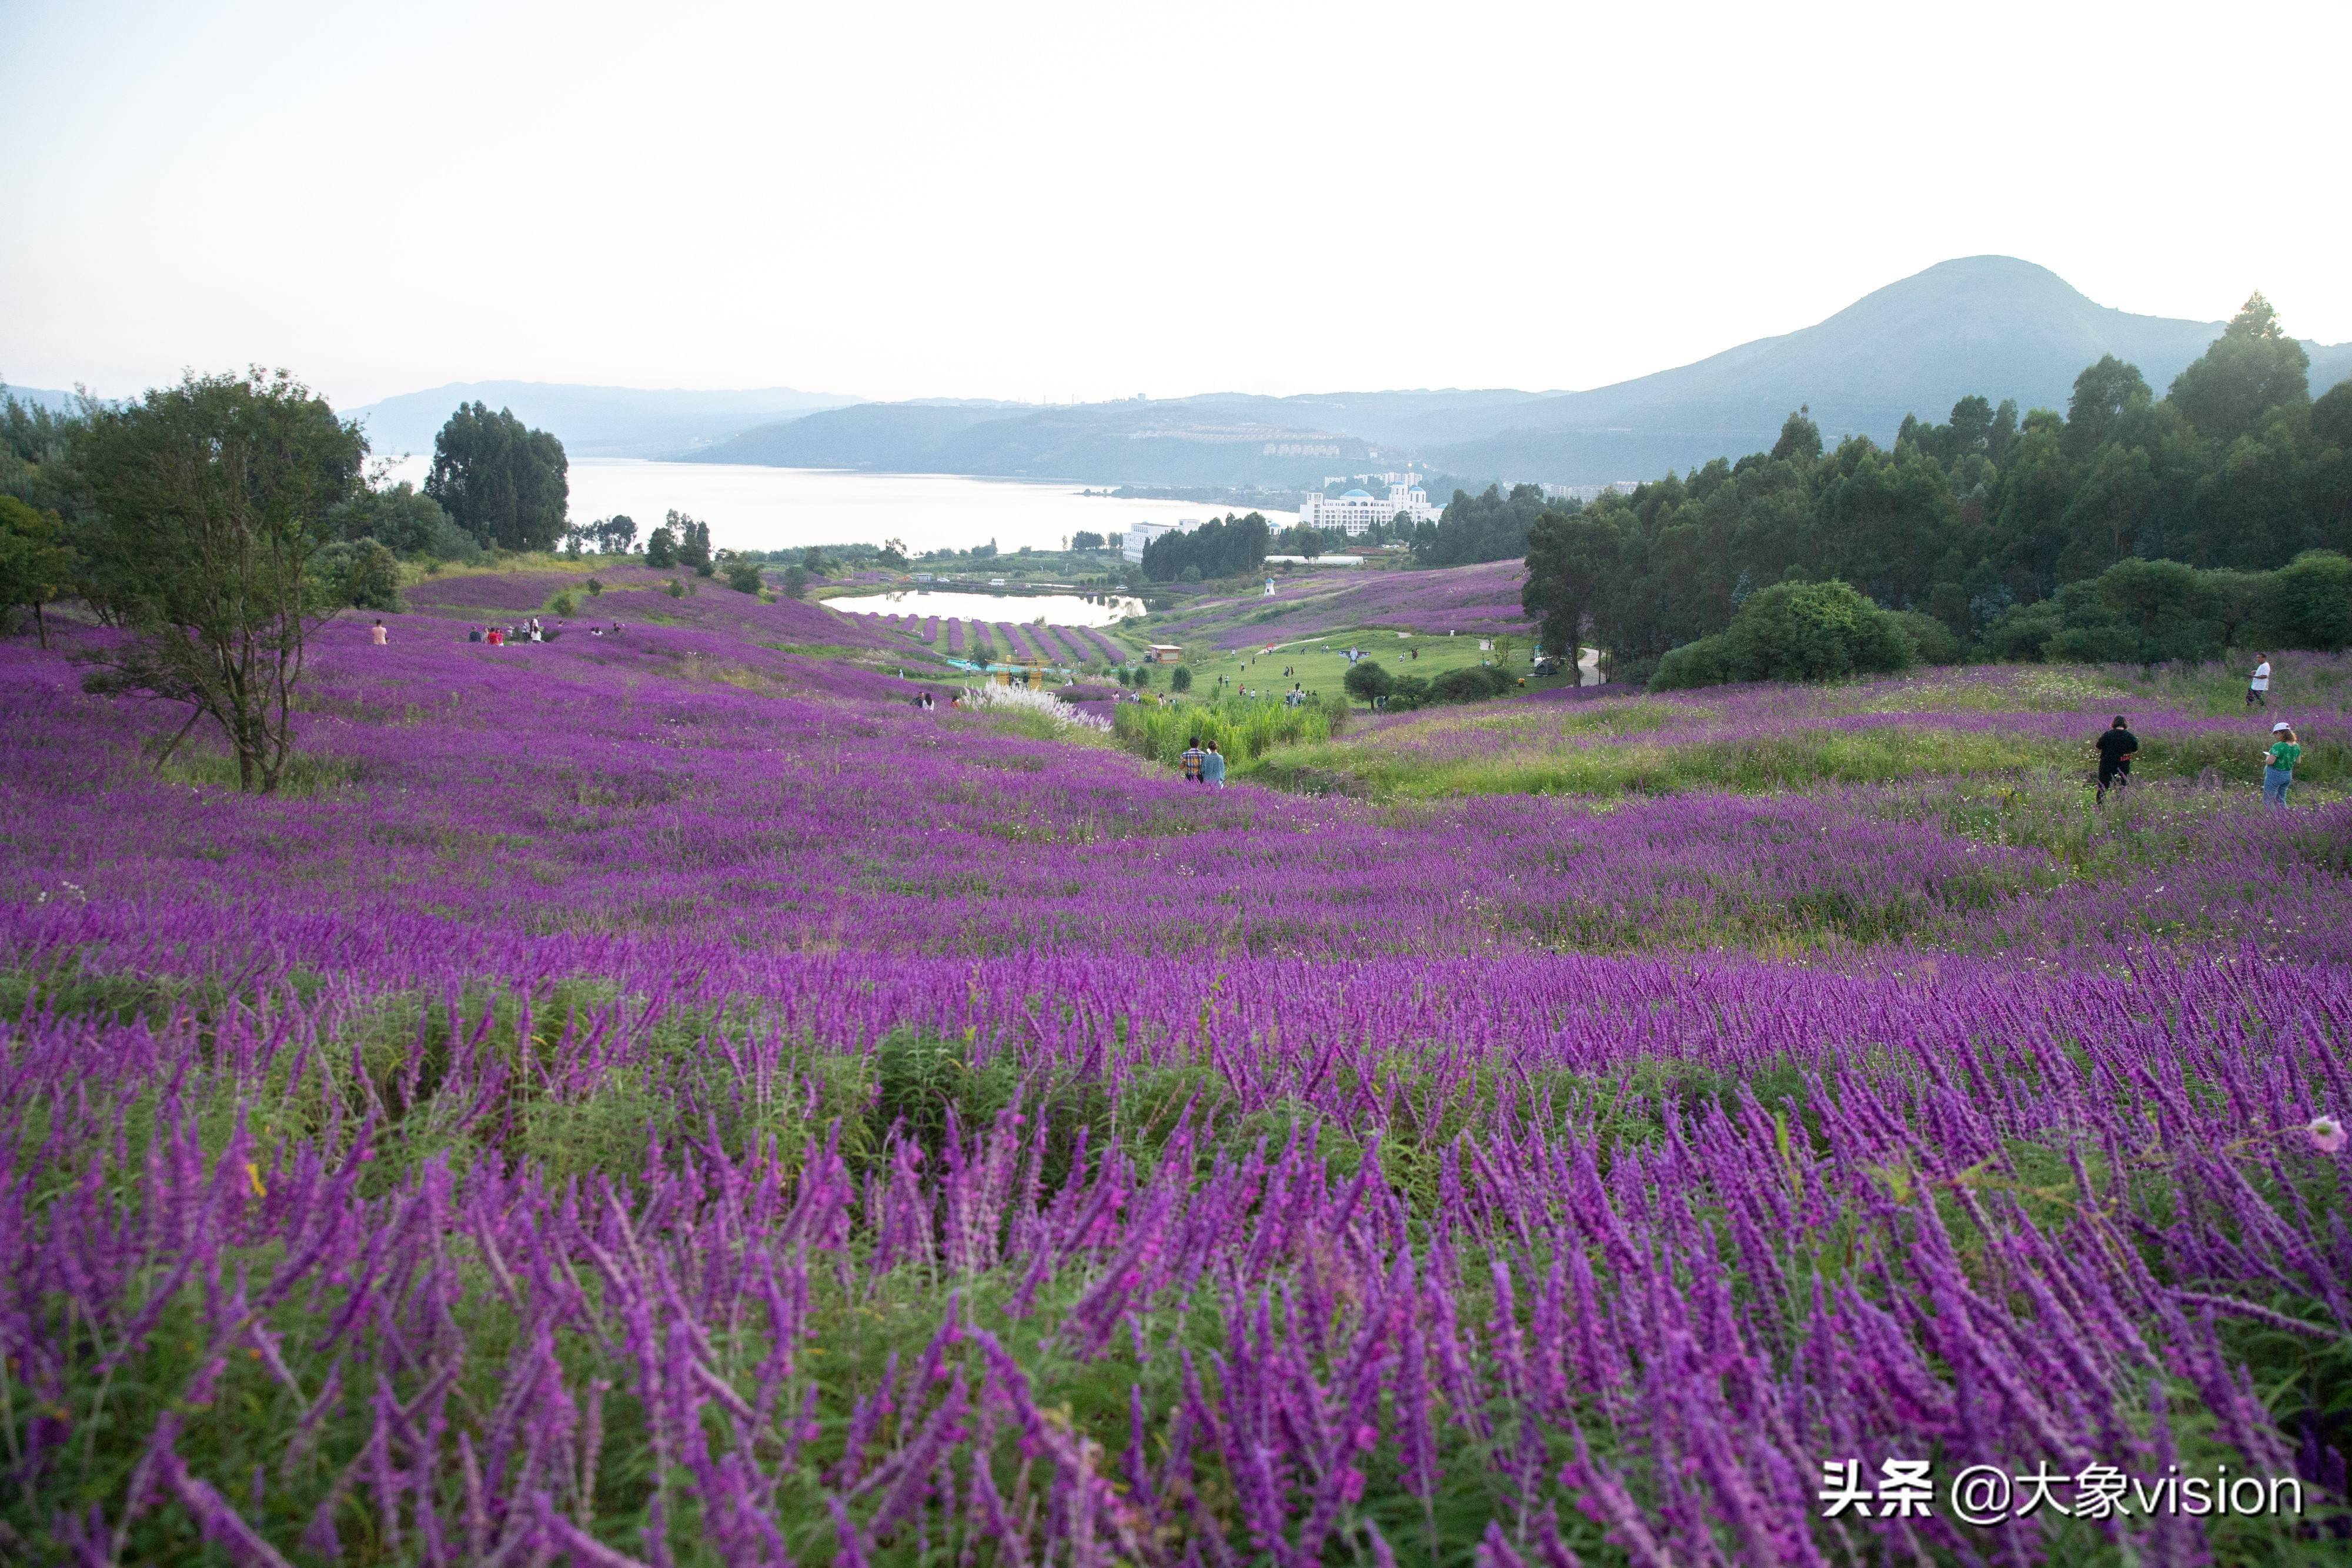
point(693, 547)
point(1367, 682)
point(1800, 438)
point(37, 454)
point(661, 547)
point(36, 565)
point(1297, 540)
point(2251, 368)
point(502, 482)
point(210, 498)
point(1490, 526)
point(2102, 392)
point(796, 581)
point(1085, 539)
point(1223, 547)
point(743, 574)
point(1566, 552)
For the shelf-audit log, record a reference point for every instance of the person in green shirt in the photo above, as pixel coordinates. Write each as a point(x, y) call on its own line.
point(2278, 764)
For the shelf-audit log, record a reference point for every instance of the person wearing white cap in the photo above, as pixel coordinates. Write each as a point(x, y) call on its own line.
point(2258, 688)
point(2278, 763)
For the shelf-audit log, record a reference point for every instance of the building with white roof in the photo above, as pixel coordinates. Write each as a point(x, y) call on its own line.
point(1358, 510)
point(1139, 535)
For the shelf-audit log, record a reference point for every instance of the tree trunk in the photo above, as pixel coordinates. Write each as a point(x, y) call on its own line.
point(41, 623)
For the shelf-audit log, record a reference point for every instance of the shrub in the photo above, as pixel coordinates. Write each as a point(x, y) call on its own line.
point(594, 587)
point(1794, 631)
point(2022, 631)
point(743, 576)
point(676, 589)
point(406, 521)
point(361, 573)
point(1181, 679)
point(1471, 684)
point(1814, 630)
point(2166, 609)
point(564, 603)
point(1706, 662)
point(1935, 640)
point(2308, 604)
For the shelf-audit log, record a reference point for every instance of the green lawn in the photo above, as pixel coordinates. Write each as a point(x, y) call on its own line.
point(1321, 662)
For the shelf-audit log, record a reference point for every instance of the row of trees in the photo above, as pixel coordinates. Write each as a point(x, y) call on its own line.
point(1491, 525)
point(1979, 523)
point(215, 522)
point(1222, 547)
point(1368, 682)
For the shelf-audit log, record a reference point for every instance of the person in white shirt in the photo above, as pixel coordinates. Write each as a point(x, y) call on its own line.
point(2261, 684)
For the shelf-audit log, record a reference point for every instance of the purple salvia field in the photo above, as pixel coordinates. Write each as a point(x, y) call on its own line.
point(658, 1099)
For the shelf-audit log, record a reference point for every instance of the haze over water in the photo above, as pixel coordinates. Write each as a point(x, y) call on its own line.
point(762, 509)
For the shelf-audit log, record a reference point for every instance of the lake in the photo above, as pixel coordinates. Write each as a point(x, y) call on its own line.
point(753, 507)
point(1020, 608)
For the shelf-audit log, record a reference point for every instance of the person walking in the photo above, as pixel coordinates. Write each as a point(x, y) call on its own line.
point(1192, 758)
point(1212, 767)
point(2116, 748)
point(2278, 764)
point(2258, 689)
point(377, 634)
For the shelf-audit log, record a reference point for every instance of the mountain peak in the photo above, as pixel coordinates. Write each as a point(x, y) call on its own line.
point(1990, 325)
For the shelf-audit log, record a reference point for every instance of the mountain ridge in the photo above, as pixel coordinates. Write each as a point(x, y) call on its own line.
point(593, 420)
point(1989, 325)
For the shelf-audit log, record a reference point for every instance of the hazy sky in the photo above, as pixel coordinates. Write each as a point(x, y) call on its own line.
point(1056, 202)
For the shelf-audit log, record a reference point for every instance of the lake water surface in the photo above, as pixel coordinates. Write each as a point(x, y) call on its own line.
point(1020, 608)
point(753, 507)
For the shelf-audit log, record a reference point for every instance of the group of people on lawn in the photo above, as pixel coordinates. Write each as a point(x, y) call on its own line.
point(2118, 746)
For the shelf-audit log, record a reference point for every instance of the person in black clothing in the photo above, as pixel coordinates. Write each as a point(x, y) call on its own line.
point(2116, 748)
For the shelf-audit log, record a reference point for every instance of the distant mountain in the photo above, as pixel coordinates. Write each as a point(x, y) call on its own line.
point(42, 397)
point(591, 422)
point(1986, 324)
point(1222, 439)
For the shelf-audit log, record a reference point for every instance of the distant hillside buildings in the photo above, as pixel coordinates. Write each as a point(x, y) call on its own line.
point(1358, 510)
point(1588, 494)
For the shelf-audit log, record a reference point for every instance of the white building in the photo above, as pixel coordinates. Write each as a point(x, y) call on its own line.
point(1139, 535)
point(1358, 510)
